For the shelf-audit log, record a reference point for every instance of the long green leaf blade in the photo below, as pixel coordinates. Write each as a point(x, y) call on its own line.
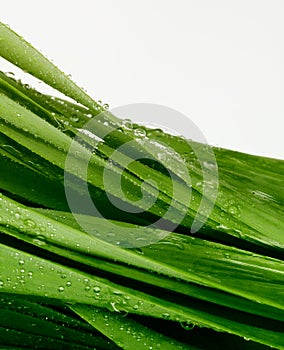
point(19, 52)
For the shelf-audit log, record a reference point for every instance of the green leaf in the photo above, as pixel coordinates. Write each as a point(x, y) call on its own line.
point(19, 52)
point(125, 332)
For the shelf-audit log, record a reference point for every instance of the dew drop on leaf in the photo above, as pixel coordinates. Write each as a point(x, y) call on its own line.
point(30, 223)
point(140, 132)
point(138, 251)
point(232, 210)
point(10, 74)
point(127, 124)
point(227, 256)
point(40, 241)
point(188, 326)
point(74, 118)
point(117, 292)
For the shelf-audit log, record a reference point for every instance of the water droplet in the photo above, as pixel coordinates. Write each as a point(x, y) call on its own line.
point(110, 234)
point(188, 326)
point(173, 244)
point(17, 216)
point(140, 132)
point(96, 289)
point(1, 284)
point(61, 289)
point(74, 118)
point(68, 284)
point(127, 124)
point(226, 255)
point(42, 229)
point(117, 292)
point(10, 74)
point(87, 288)
point(135, 307)
point(233, 210)
point(138, 251)
point(222, 227)
point(30, 223)
point(21, 262)
point(40, 241)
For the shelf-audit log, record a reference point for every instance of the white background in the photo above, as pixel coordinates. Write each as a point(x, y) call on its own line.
point(221, 63)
